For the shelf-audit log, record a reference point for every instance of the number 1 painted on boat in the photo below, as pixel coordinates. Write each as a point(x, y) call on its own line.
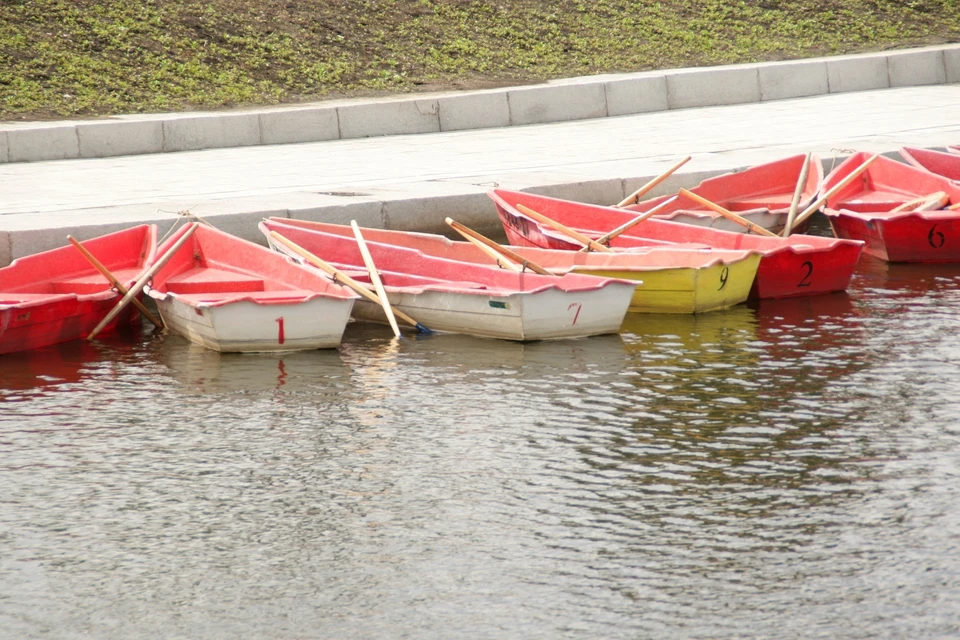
point(280, 336)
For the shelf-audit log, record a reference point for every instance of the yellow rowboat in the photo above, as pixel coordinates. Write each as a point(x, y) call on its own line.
point(677, 279)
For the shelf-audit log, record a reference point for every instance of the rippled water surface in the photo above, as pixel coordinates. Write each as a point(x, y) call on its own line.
point(785, 470)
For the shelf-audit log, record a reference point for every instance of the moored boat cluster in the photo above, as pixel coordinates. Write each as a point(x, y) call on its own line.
point(571, 269)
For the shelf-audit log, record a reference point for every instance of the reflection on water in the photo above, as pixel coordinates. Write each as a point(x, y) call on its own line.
point(787, 469)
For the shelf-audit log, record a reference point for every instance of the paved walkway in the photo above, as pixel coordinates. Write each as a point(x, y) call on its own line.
point(413, 181)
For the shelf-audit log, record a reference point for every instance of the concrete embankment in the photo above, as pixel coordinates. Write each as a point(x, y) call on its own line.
point(407, 162)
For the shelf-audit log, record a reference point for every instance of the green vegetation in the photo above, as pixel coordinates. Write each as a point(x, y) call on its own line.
point(68, 58)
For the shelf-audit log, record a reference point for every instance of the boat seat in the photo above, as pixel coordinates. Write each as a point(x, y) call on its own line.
point(212, 280)
point(14, 298)
point(92, 282)
point(286, 295)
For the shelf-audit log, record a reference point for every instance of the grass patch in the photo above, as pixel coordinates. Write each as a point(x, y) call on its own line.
point(69, 58)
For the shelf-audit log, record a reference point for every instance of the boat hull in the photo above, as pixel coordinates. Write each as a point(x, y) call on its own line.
point(246, 326)
point(685, 290)
point(789, 267)
point(936, 162)
point(910, 237)
point(522, 317)
point(24, 327)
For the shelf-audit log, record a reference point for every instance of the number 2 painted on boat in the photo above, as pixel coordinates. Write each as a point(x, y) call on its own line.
point(936, 238)
point(723, 278)
point(578, 305)
point(805, 281)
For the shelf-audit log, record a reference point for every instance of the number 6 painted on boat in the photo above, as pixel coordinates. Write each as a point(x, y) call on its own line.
point(936, 234)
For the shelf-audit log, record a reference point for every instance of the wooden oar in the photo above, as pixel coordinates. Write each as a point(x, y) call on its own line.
point(813, 208)
point(341, 277)
point(797, 193)
point(142, 282)
point(634, 197)
point(576, 235)
point(114, 282)
point(626, 226)
point(930, 202)
point(498, 258)
point(495, 250)
point(730, 215)
point(375, 278)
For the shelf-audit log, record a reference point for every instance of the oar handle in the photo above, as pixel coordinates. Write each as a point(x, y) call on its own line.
point(797, 194)
point(813, 208)
point(929, 202)
point(634, 197)
point(114, 281)
point(142, 282)
point(495, 250)
point(340, 276)
point(730, 215)
point(567, 231)
point(375, 278)
point(605, 240)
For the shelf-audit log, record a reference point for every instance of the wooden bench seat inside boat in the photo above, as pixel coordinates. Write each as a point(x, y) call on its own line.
point(212, 280)
point(14, 298)
point(92, 282)
point(277, 296)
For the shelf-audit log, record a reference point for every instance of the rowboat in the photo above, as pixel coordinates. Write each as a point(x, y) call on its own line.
point(675, 279)
point(938, 162)
point(876, 208)
point(231, 295)
point(58, 295)
point(459, 297)
point(799, 265)
point(761, 194)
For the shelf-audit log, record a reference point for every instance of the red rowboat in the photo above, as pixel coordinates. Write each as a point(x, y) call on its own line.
point(57, 295)
point(799, 265)
point(938, 162)
point(866, 209)
point(229, 294)
point(762, 194)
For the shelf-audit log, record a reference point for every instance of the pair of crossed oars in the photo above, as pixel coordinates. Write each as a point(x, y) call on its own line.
point(130, 295)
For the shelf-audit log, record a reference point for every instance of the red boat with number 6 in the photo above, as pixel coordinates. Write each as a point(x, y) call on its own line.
point(904, 214)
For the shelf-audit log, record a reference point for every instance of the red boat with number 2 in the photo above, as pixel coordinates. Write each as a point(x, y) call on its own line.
point(799, 265)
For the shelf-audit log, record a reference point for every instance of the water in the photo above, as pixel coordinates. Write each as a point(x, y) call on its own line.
point(783, 471)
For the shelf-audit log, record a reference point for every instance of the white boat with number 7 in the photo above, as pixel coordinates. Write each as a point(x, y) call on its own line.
point(457, 297)
point(229, 294)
